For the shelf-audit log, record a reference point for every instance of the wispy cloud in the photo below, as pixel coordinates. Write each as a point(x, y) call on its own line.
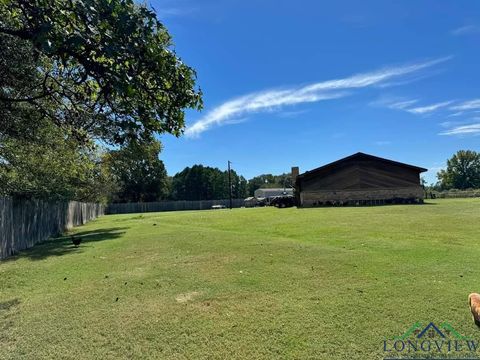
point(382, 143)
point(467, 105)
point(429, 108)
point(451, 124)
point(467, 29)
point(274, 100)
point(264, 101)
point(472, 129)
point(396, 103)
point(459, 113)
point(411, 79)
point(393, 102)
point(401, 105)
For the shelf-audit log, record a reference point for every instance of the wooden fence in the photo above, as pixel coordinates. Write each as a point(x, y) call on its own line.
point(24, 223)
point(129, 208)
point(453, 194)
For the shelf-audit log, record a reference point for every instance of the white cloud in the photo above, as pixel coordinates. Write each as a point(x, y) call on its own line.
point(467, 29)
point(402, 104)
point(472, 129)
point(429, 108)
point(459, 113)
point(396, 103)
point(273, 100)
point(410, 79)
point(264, 101)
point(467, 105)
point(393, 102)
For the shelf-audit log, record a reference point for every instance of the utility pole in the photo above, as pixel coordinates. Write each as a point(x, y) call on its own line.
point(230, 182)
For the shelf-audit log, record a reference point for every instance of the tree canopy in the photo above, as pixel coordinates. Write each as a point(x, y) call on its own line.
point(139, 173)
point(52, 167)
point(462, 172)
point(76, 74)
point(98, 68)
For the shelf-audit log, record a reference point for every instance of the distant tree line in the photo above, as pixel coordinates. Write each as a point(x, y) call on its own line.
point(135, 173)
point(206, 183)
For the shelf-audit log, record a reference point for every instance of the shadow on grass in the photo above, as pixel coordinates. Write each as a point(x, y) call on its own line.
point(6, 321)
point(7, 305)
point(62, 245)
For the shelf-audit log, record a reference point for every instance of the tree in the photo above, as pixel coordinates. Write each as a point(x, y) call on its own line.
point(50, 165)
point(240, 190)
point(206, 183)
point(97, 68)
point(140, 174)
point(462, 172)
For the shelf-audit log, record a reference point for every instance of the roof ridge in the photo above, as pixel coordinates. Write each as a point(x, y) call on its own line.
point(359, 153)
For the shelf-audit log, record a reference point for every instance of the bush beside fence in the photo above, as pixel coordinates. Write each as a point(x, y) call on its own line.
point(129, 208)
point(24, 223)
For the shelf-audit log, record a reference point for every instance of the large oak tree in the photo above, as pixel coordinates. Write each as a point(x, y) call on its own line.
point(97, 68)
point(462, 172)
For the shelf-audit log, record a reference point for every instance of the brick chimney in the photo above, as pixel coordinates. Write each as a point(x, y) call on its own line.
point(295, 173)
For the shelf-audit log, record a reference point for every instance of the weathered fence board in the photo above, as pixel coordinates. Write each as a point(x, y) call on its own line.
point(129, 208)
point(24, 223)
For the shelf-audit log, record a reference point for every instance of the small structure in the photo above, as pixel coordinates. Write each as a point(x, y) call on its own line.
point(251, 201)
point(271, 193)
point(359, 179)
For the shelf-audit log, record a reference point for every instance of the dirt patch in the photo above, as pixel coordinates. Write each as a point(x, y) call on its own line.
point(184, 298)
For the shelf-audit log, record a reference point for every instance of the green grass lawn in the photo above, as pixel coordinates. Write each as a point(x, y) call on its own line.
point(325, 283)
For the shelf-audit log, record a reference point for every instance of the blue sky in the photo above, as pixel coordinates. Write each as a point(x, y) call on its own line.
point(307, 82)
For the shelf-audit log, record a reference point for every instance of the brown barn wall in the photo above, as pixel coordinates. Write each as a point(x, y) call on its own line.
point(316, 198)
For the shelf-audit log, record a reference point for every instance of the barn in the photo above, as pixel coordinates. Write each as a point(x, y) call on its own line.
point(359, 179)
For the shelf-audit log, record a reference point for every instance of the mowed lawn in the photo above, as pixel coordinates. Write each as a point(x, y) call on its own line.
point(266, 283)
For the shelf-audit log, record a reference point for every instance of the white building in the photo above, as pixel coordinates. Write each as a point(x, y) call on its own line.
point(270, 193)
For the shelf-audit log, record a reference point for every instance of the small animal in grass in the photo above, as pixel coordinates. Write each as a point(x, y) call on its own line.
point(474, 302)
point(76, 240)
